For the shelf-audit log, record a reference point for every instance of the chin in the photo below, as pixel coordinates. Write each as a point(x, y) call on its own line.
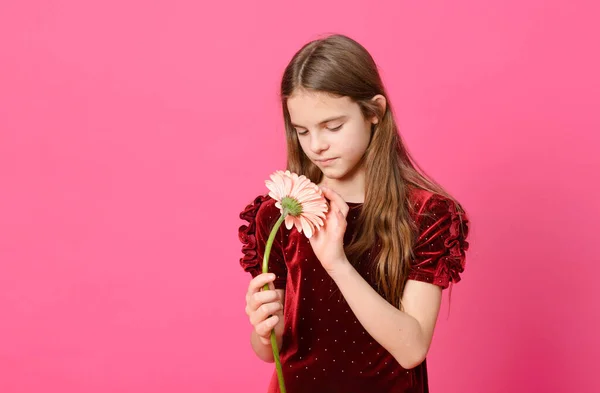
point(334, 175)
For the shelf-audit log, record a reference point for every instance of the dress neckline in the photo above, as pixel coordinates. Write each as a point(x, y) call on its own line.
point(354, 204)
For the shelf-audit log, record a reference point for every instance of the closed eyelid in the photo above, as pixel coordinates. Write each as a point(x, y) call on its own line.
point(304, 131)
point(324, 123)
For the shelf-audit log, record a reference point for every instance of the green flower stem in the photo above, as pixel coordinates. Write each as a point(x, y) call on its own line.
point(265, 269)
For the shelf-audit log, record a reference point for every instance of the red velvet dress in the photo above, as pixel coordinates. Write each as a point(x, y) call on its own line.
point(325, 348)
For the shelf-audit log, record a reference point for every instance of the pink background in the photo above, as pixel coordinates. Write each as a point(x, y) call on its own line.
point(132, 133)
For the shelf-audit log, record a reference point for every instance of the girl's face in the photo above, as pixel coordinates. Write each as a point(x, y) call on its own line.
point(333, 132)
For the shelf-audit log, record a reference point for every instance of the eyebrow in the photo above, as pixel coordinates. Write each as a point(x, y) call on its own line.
point(324, 121)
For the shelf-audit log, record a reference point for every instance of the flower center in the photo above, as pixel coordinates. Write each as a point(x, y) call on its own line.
point(291, 206)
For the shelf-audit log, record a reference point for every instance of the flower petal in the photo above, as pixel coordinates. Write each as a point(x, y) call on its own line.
point(298, 224)
point(288, 184)
point(289, 222)
point(308, 231)
point(277, 184)
point(274, 191)
point(313, 219)
point(303, 182)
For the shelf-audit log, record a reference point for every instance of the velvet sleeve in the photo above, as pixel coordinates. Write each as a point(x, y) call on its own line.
point(439, 251)
point(261, 216)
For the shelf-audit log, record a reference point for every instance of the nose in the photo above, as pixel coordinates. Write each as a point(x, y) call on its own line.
point(318, 143)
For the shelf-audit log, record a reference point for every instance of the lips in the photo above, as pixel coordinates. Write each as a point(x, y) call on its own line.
point(327, 162)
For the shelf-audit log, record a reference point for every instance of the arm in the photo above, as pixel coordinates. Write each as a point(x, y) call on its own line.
point(405, 334)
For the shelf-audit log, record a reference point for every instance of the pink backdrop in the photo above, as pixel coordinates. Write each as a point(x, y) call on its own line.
point(132, 133)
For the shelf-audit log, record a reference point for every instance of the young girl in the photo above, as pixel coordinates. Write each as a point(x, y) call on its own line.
point(354, 307)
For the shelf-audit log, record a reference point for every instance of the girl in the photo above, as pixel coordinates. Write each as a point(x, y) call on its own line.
point(354, 307)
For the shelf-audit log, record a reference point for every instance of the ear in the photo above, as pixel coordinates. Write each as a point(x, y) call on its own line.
point(382, 103)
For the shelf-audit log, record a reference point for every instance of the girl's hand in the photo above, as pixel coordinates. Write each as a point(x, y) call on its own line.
point(328, 242)
point(264, 308)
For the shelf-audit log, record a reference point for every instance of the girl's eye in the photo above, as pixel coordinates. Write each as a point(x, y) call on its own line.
point(336, 128)
point(302, 133)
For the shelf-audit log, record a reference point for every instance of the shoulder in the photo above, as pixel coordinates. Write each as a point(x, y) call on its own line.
point(261, 208)
point(441, 239)
point(429, 206)
point(259, 216)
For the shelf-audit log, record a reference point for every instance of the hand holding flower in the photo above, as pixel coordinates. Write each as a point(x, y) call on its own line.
point(264, 308)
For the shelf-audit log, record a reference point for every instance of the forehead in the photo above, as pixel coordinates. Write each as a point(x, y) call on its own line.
point(311, 108)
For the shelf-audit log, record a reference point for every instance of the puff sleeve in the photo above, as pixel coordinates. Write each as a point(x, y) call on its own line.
point(439, 251)
point(261, 215)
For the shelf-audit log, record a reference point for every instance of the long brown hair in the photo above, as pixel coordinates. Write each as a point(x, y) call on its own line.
point(340, 66)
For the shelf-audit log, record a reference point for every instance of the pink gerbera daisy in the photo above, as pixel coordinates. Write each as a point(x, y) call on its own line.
point(301, 201)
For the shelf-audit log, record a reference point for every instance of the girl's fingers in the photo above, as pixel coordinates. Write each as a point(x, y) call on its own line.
point(259, 281)
point(263, 340)
point(264, 311)
point(336, 200)
point(264, 328)
point(339, 213)
point(254, 288)
point(265, 297)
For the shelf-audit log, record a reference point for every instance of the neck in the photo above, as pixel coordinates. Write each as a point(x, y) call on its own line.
point(351, 188)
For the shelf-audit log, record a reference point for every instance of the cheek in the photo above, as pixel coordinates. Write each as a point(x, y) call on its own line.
point(360, 142)
point(304, 144)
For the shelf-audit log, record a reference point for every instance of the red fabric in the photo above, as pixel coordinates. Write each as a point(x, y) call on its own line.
point(325, 348)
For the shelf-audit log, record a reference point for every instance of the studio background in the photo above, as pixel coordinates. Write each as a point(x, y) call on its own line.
point(133, 133)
